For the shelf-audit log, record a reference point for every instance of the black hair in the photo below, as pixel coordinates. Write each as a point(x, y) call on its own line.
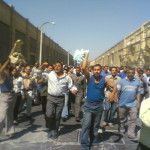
point(59, 63)
point(147, 69)
point(78, 68)
point(97, 65)
point(131, 69)
point(112, 68)
point(106, 66)
point(141, 71)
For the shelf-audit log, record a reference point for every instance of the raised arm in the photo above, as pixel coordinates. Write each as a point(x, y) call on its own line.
point(4, 65)
point(84, 65)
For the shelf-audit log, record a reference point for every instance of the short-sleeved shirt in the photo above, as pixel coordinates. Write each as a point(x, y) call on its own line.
point(104, 74)
point(109, 89)
point(122, 74)
point(128, 90)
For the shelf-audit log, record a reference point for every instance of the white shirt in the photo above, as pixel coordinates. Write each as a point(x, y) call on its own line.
point(36, 72)
point(148, 79)
point(59, 86)
point(18, 84)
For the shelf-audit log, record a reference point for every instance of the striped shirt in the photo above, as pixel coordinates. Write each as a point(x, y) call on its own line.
point(59, 86)
point(128, 90)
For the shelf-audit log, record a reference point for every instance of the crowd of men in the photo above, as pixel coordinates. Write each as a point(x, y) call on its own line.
point(62, 89)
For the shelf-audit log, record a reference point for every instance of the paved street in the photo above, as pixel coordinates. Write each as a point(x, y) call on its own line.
point(32, 135)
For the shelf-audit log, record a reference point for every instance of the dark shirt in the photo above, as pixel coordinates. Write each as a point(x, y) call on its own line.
point(7, 86)
point(95, 91)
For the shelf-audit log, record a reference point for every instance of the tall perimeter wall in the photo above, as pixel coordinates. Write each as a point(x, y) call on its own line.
point(13, 26)
point(133, 50)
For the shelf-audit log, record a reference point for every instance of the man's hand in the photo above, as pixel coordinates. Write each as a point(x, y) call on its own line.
point(74, 92)
point(23, 97)
point(111, 97)
point(40, 81)
point(138, 101)
point(86, 54)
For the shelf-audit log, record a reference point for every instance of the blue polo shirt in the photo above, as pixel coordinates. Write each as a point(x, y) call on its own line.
point(122, 75)
point(128, 90)
point(104, 74)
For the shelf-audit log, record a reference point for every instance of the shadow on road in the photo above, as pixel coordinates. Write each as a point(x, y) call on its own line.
point(69, 128)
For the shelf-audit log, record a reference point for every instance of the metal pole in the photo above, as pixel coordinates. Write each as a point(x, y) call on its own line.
point(68, 58)
point(41, 40)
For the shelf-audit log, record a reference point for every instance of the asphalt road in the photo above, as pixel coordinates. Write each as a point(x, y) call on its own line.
point(32, 135)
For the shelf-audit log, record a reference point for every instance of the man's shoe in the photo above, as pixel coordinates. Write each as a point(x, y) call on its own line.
point(85, 148)
point(72, 115)
point(15, 122)
point(64, 119)
point(133, 138)
point(110, 125)
point(54, 136)
point(11, 136)
point(100, 130)
point(77, 119)
point(104, 124)
point(50, 134)
point(121, 130)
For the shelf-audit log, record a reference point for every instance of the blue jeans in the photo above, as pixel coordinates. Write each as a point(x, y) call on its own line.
point(91, 122)
point(65, 108)
point(109, 111)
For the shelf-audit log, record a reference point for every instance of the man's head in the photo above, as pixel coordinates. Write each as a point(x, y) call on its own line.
point(118, 69)
point(90, 68)
point(58, 67)
point(36, 64)
point(113, 71)
point(131, 73)
point(138, 69)
point(14, 72)
point(140, 73)
point(148, 71)
point(97, 70)
point(71, 68)
point(124, 68)
point(49, 68)
point(28, 70)
point(78, 71)
point(105, 68)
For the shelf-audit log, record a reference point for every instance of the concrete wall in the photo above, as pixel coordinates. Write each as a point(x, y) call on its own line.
point(133, 50)
point(13, 26)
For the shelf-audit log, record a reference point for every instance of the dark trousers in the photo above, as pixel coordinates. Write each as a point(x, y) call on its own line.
point(17, 106)
point(76, 104)
point(44, 102)
point(53, 112)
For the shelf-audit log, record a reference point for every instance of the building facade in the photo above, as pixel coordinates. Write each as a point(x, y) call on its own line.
point(133, 50)
point(13, 26)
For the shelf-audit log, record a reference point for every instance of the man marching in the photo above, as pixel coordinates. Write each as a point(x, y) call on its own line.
point(93, 105)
